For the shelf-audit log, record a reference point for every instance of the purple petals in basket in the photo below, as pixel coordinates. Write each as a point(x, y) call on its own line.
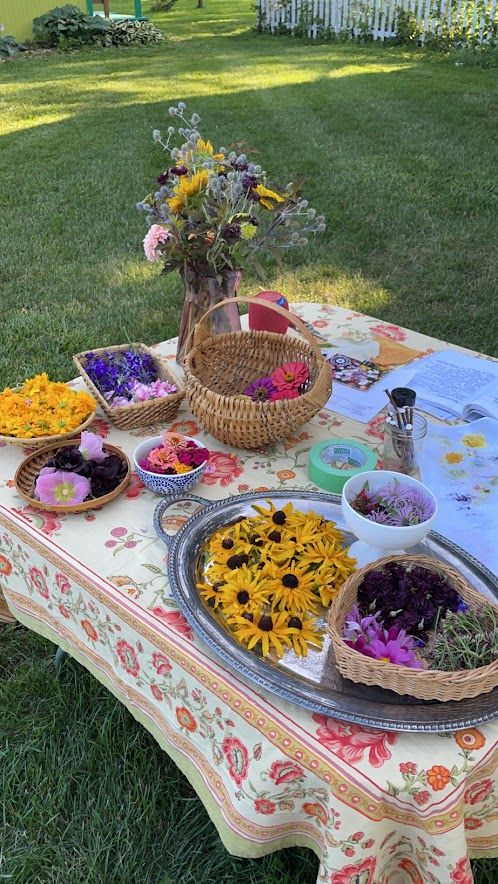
point(368, 636)
point(126, 376)
point(76, 474)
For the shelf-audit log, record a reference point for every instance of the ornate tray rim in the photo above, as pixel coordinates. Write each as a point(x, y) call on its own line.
point(284, 682)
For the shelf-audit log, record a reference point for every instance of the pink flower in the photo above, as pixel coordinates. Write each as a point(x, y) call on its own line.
point(237, 757)
point(422, 797)
point(62, 582)
point(176, 620)
point(222, 468)
point(38, 581)
point(285, 393)
point(290, 375)
point(153, 239)
point(157, 692)
point(163, 457)
point(360, 872)
point(135, 487)
point(285, 772)
point(384, 330)
point(46, 522)
point(478, 792)
point(263, 805)
point(462, 872)
point(374, 427)
point(408, 767)
point(62, 488)
point(128, 657)
point(156, 390)
point(350, 741)
point(91, 446)
point(161, 663)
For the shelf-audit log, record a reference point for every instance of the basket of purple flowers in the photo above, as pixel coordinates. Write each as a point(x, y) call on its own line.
point(414, 625)
point(132, 384)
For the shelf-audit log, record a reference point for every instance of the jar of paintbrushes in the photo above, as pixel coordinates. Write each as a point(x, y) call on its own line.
point(404, 432)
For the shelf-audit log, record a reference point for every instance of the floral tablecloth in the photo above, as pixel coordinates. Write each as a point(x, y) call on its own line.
point(376, 807)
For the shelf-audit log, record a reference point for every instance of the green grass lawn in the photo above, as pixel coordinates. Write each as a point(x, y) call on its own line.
point(397, 149)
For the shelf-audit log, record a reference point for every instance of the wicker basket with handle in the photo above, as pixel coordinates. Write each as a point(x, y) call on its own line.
point(27, 474)
point(426, 684)
point(136, 414)
point(218, 368)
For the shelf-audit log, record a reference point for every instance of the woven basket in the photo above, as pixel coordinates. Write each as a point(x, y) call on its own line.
point(137, 414)
point(424, 684)
point(27, 473)
point(220, 367)
point(40, 441)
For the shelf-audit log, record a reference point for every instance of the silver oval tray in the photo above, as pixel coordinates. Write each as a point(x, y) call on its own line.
point(314, 681)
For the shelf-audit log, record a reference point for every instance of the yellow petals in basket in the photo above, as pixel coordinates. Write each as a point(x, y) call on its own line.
point(41, 410)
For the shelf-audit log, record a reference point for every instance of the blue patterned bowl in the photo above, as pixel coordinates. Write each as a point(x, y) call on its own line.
point(158, 482)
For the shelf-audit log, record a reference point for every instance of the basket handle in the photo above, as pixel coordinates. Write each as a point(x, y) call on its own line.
point(164, 505)
point(198, 332)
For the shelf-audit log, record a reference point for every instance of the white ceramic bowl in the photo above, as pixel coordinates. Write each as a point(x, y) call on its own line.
point(375, 540)
point(165, 484)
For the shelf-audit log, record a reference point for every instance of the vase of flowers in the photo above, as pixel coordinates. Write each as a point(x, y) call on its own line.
point(212, 213)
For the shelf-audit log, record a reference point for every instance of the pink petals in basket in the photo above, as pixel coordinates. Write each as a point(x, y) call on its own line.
point(286, 382)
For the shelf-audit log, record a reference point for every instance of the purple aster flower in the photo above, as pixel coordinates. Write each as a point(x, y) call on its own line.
point(379, 516)
point(356, 625)
point(179, 170)
point(393, 651)
point(60, 488)
point(260, 390)
point(91, 446)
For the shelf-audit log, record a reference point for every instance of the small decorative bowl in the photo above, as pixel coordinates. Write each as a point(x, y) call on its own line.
point(160, 483)
point(376, 540)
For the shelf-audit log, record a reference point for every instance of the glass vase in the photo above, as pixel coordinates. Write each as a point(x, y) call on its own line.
point(402, 449)
point(201, 293)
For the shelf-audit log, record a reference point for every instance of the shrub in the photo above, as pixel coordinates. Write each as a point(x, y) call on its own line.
point(163, 5)
point(128, 32)
point(69, 27)
point(9, 46)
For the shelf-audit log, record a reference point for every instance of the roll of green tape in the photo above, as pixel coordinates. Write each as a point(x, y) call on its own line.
point(333, 462)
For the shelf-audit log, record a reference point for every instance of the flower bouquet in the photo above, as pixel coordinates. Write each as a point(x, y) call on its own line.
point(269, 577)
point(132, 384)
point(70, 478)
point(213, 211)
point(41, 411)
point(412, 624)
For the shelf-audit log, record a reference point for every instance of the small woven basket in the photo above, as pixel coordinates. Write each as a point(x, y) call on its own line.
point(40, 441)
point(137, 414)
point(422, 683)
point(220, 367)
point(28, 470)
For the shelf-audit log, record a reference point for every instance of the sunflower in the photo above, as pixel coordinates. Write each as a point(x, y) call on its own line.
point(206, 149)
point(267, 628)
point(303, 633)
point(187, 187)
point(292, 587)
point(244, 590)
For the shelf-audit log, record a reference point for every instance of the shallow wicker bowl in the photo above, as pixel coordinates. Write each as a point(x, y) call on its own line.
point(160, 483)
point(40, 441)
point(27, 473)
point(137, 414)
point(425, 684)
point(218, 368)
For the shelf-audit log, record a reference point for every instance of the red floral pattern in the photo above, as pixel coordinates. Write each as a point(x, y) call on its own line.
point(237, 757)
point(186, 719)
point(478, 791)
point(176, 620)
point(350, 742)
point(360, 873)
point(128, 657)
point(384, 330)
point(263, 805)
point(462, 873)
point(223, 468)
point(38, 582)
point(62, 583)
point(285, 772)
point(161, 663)
point(5, 566)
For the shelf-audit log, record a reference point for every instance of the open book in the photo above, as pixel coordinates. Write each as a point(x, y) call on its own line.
point(451, 384)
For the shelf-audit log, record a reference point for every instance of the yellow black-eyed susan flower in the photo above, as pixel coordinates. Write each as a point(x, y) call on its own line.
point(246, 589)
point(268, 629)
point(303, 633)
point(292, 587)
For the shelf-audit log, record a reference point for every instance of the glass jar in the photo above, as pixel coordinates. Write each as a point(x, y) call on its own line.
point(402, 446)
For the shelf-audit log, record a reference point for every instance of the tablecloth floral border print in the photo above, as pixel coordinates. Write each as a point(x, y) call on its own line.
point(297, 773)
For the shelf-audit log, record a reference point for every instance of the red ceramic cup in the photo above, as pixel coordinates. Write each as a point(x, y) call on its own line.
point(267, 320)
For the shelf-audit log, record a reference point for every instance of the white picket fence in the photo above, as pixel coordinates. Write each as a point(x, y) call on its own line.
point(477, 19)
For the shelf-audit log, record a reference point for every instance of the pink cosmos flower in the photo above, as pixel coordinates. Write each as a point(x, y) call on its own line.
point(153, 239)
point(156, 390)
point(290, 375)
point(62, 487)
point(91, 446)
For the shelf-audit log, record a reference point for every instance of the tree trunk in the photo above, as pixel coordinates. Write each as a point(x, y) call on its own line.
point(200, 4)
